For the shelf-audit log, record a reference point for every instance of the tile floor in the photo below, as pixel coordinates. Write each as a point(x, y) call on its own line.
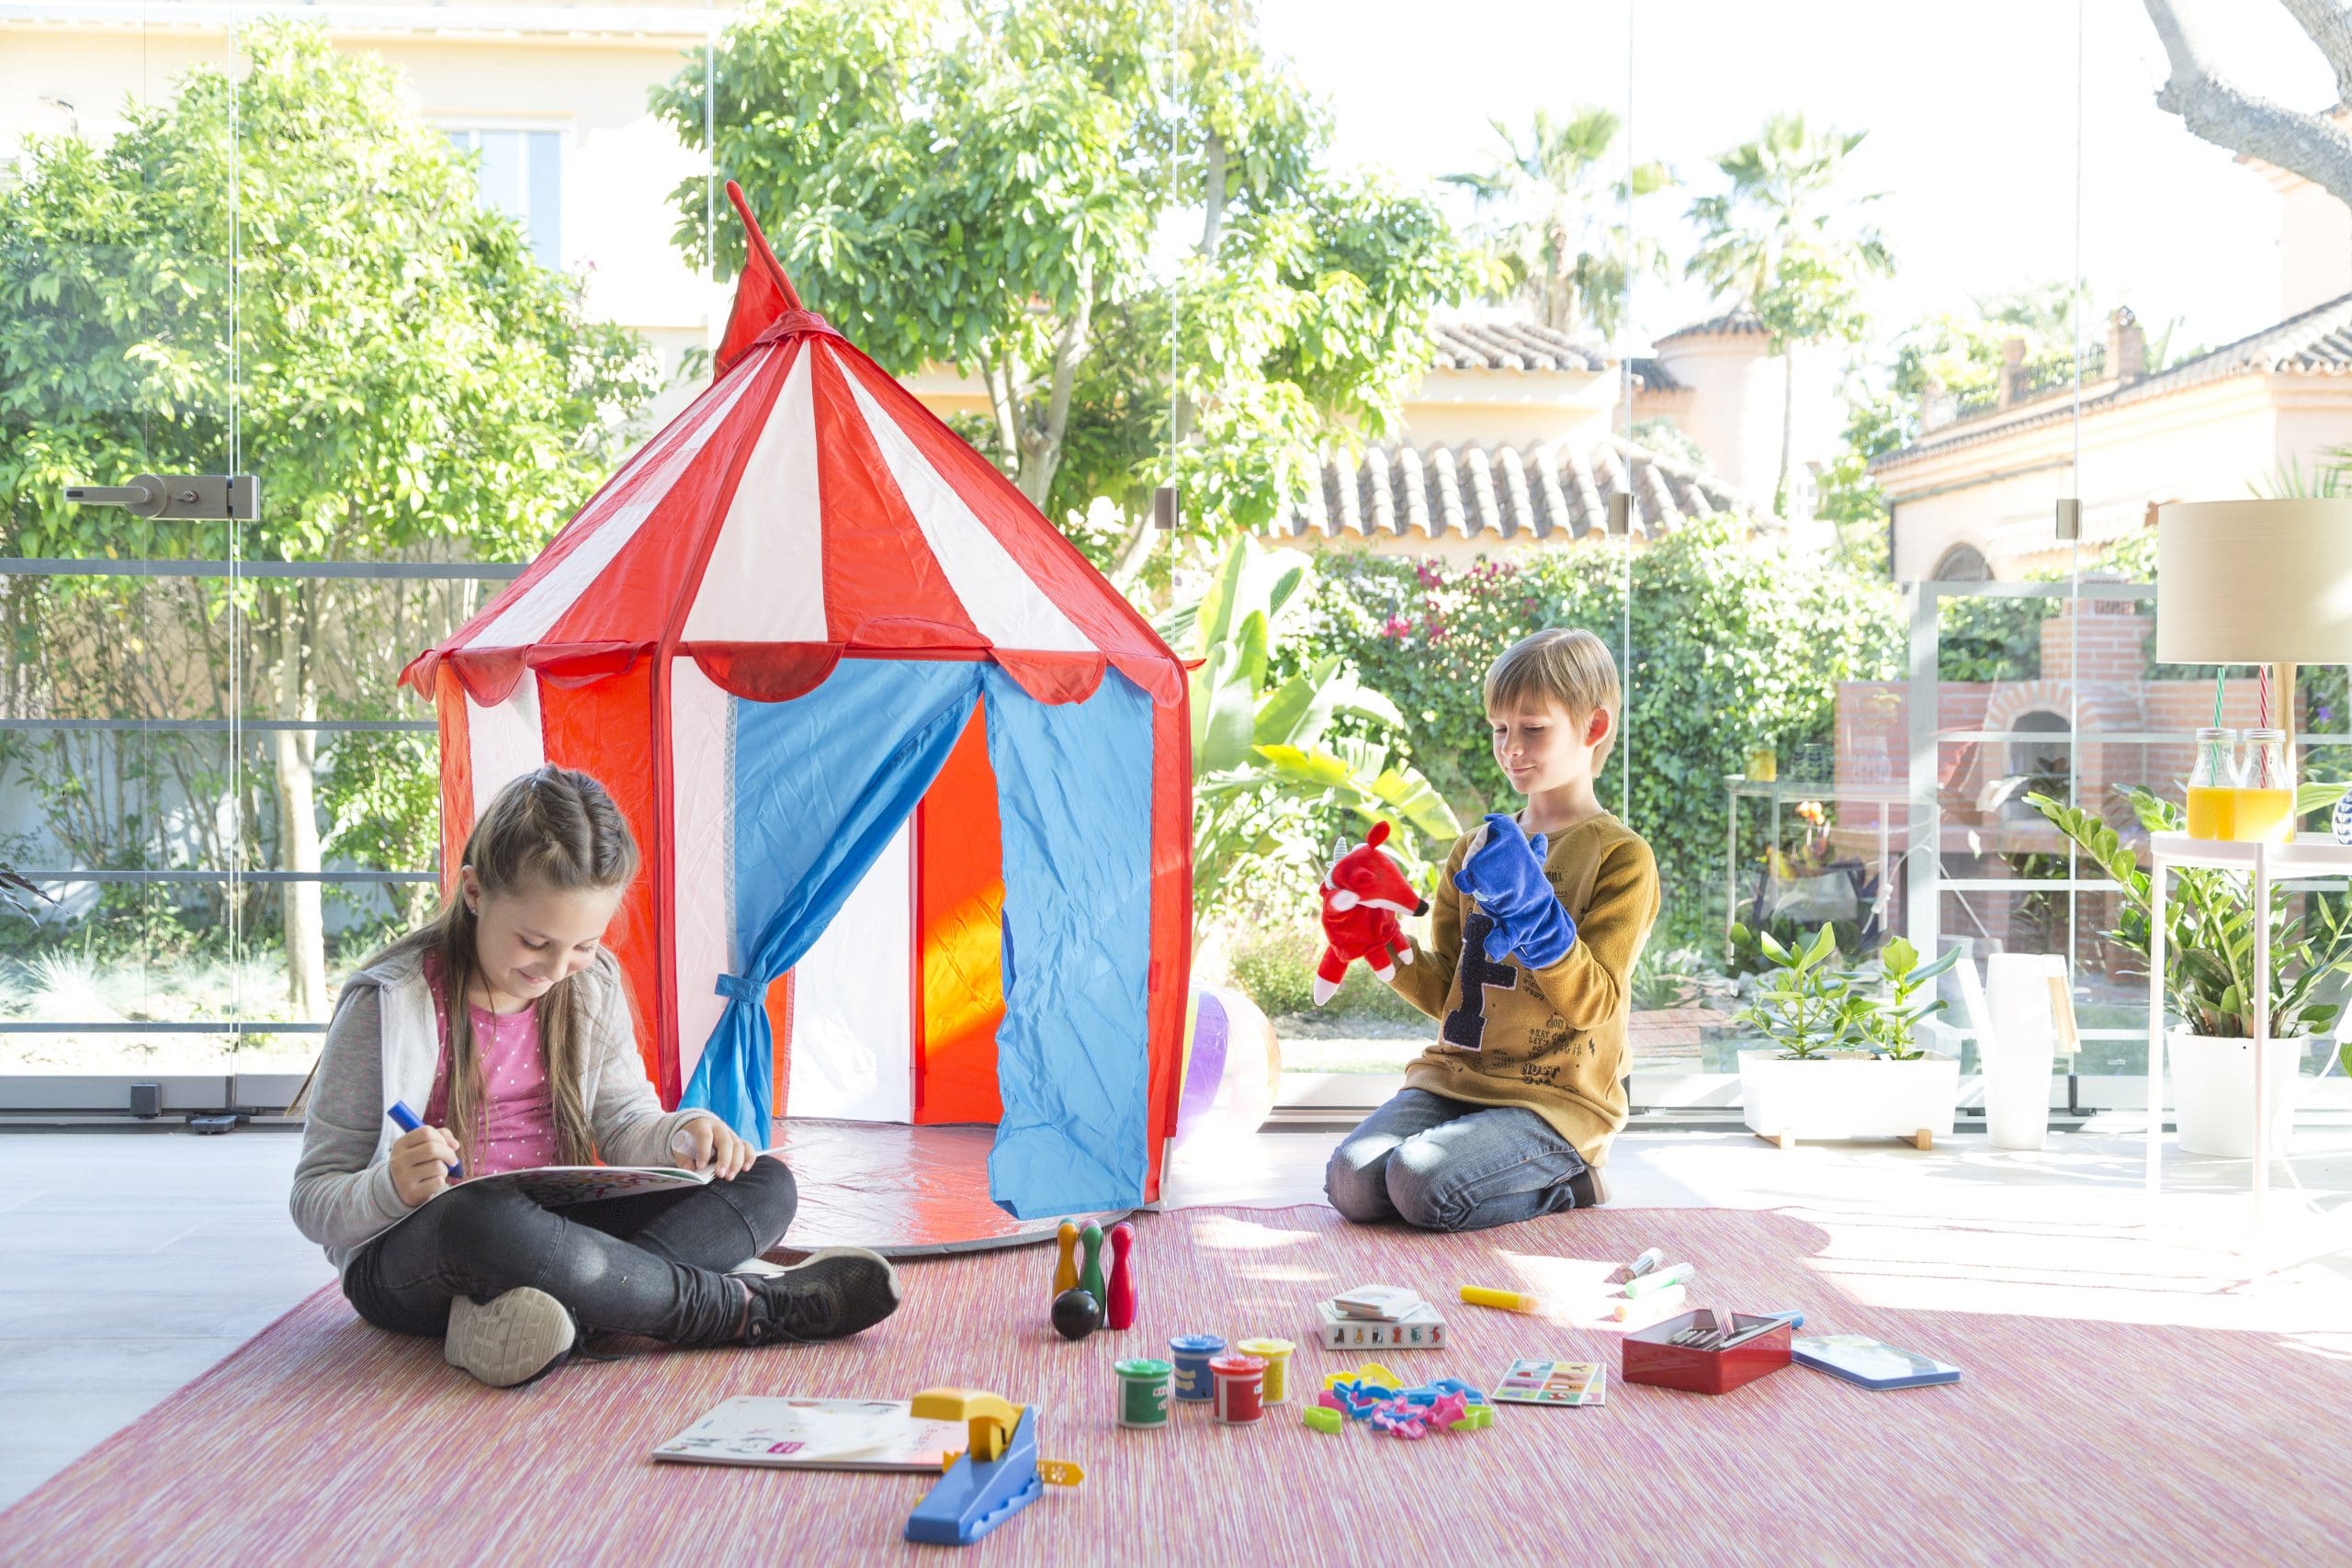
point(131, 1260)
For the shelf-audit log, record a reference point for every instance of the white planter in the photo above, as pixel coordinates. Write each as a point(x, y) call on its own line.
point(2018, 1046)
point(2212, 1092)
point(1847, 1099)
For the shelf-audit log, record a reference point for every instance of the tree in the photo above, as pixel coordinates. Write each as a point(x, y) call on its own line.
point(1780, 241)
point(2215, 109)
point(407, 379)
point(980, 189)
point(1563, 247)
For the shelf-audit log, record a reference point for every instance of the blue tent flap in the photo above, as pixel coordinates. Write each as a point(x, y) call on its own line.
point(820, 783)
point(1074, 796)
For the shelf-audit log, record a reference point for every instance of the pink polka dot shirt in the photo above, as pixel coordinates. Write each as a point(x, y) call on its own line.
point(517, 1130)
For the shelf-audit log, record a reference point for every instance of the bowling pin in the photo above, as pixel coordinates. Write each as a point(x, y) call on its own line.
point(1089, 1273)
point(1121, 1311)
point(1066, 1272)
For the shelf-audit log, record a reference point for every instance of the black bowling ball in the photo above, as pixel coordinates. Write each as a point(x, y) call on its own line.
point(1077, 1313)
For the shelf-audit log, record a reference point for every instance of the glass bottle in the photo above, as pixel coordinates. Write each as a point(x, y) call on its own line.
point(2212, 786)
point(2266, 792)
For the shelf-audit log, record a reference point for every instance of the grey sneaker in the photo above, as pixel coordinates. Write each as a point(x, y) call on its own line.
point(514, 1337)
point(836, 1293)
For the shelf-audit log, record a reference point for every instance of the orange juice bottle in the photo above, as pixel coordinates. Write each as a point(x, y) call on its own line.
point(2265, 795)
point(2212, 786)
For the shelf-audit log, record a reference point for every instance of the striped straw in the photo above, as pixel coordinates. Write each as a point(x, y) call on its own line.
point(2217, 699)
point(2262, 675)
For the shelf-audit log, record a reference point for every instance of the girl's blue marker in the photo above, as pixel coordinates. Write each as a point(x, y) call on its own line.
point(406, 1120)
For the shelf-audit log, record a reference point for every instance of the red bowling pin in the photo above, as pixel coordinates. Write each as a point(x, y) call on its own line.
point(1121, 1309)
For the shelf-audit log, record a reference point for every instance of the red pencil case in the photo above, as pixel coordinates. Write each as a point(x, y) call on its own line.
point(1649, 1356)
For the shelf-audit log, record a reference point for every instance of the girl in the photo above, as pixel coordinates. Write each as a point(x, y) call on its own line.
point(506, 1019)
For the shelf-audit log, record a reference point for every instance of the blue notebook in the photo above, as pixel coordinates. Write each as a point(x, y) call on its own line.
point(1870, 1362)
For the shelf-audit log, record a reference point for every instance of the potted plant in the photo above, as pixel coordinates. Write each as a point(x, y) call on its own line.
point(1844, 1060)
point(2209, 973)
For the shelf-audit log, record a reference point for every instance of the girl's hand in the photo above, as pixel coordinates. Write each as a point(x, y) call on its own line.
point(421, 1162)
point(707, 1141)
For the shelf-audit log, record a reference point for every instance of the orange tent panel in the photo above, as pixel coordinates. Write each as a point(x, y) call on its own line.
point(959, 924)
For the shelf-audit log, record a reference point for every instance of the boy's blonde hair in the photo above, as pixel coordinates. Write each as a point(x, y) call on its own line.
point(1564, 665)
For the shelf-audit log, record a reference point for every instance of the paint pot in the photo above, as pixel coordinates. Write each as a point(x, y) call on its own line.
point(1190, 1352)
point(1240, 1389)
point(1275, 1353)
point(1143, 1393)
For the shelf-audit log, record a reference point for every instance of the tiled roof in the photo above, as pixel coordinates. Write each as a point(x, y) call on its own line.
point(1652, 376)
point(1741, 323)
point(1511, 345)
point(1547, 491)
point(2316, 343)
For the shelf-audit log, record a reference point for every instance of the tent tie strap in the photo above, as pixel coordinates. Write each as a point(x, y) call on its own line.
point(740, 989)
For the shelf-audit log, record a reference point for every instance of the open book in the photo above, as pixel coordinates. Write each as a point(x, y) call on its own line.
point(817, 1434)
point(559, 1186)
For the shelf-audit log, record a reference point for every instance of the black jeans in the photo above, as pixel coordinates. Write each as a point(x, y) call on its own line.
point(652, 1263)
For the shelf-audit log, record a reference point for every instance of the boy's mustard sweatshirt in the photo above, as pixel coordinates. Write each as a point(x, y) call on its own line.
point(1552, 1040)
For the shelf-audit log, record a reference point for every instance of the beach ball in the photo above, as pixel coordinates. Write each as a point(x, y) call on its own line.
point(1232, 1064)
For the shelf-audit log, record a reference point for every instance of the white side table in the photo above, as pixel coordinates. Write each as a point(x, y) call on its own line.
point(2309, 855)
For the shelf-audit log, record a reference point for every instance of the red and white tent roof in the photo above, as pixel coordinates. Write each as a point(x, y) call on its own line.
point(804, 509)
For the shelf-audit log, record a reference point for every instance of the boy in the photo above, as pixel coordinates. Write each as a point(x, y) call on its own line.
point(1535, 930)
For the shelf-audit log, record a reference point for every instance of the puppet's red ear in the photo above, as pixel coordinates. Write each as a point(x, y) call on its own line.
point(1379, 834)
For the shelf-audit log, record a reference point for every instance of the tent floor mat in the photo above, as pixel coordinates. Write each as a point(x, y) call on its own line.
point(906, 1192)
point(323, 1439)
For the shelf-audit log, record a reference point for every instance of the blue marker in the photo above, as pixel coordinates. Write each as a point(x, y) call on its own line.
point(407, 1121)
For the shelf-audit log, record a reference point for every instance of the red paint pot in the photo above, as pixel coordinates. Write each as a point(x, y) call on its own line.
point(1240, 1389)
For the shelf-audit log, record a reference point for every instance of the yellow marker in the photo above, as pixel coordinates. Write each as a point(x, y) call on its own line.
point(1509, 1300)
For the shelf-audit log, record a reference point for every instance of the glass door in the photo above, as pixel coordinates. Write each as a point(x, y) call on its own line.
point(120, 959)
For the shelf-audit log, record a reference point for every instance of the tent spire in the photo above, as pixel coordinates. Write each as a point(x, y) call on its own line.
point(761, 295)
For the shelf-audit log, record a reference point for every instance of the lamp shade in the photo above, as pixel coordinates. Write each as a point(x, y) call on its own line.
point(2254, 583)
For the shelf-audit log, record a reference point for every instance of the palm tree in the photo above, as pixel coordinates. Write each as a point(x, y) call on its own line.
point(1780, 242)
point(1560, 248)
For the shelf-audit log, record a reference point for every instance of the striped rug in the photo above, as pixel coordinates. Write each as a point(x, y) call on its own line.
point(324, 1441)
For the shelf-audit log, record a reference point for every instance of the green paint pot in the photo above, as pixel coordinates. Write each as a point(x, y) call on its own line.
point(1143, 1393)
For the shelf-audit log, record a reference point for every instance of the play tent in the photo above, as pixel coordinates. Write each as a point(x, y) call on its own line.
point(912, 780)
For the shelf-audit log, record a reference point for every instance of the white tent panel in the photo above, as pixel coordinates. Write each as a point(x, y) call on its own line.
point(506, 740)
point(853, 1011)
point(702, 851)
point(766, 578)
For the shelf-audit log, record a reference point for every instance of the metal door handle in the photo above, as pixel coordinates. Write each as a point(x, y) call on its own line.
point(220, 498)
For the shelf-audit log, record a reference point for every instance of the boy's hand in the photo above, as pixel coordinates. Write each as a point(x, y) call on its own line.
point(1505, 874)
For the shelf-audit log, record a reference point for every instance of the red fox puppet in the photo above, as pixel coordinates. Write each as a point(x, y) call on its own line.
point(1362, 895)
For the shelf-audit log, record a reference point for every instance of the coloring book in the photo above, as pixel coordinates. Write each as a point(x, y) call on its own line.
point(557, 1186)
point(817, 1434)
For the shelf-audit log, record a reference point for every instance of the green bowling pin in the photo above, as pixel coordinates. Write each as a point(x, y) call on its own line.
point(1090, 1274)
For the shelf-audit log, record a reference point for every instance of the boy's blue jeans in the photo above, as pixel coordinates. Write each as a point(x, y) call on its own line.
point(1446, 1164)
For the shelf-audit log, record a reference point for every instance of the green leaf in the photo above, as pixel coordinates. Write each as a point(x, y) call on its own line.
point(1250, 661)
point(1294, 713)
point(1950, 957)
